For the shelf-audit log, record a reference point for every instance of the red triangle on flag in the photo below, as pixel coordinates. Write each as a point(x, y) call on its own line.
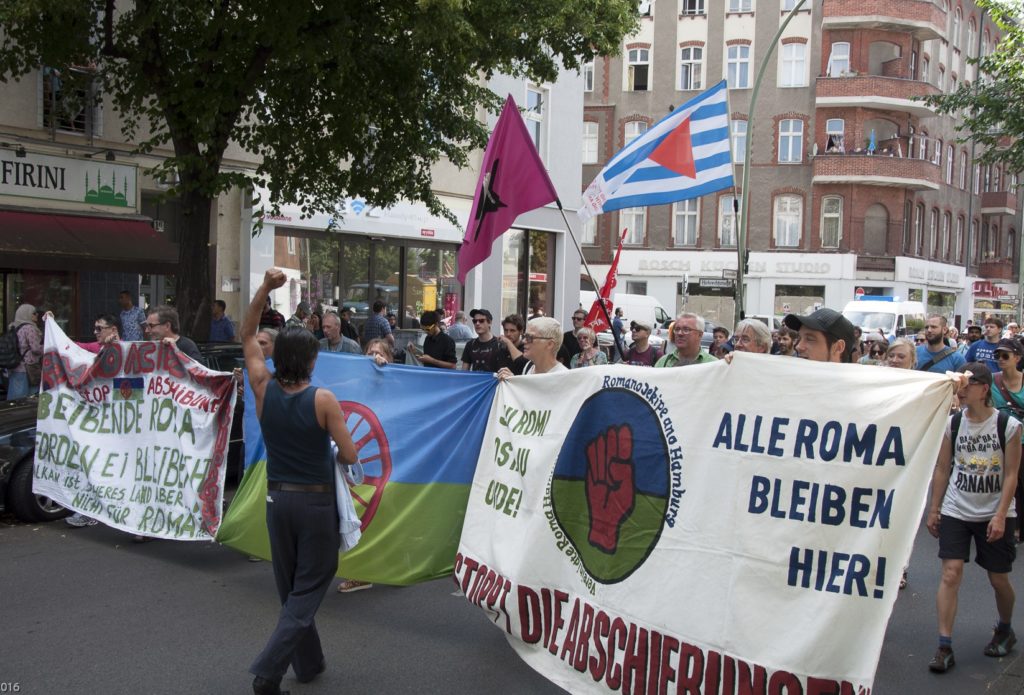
point(676, 151)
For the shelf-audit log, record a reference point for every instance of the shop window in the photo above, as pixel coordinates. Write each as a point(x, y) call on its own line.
point(831, 222)
point(687, 222)
point(788, 220)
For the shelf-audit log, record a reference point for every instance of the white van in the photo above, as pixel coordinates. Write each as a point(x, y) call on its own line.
point(894, 318)
point(634, 307)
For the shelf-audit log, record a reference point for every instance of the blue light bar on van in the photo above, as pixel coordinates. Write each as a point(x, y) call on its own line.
point(876, 298)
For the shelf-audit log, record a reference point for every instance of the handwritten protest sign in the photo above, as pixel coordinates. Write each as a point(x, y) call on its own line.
point(715, 528)
point(135, 436)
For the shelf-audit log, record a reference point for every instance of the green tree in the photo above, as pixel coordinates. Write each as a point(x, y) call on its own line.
point(991, 110)
point(348, 97)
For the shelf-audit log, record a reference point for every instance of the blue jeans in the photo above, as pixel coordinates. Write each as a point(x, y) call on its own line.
point(17, 385)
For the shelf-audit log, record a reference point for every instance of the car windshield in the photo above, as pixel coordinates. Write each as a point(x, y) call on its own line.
point(872, 320)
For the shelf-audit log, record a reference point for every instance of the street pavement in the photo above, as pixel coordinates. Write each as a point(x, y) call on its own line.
point(88, 611)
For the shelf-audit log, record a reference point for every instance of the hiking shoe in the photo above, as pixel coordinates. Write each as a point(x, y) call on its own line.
point(1001, 643)
point(943, 660)
point(77, 520)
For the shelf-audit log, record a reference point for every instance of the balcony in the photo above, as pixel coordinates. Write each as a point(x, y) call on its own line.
point(922, 18)
point(877, 170)
point(999, 203)
point(996, 269)
point(875, 92)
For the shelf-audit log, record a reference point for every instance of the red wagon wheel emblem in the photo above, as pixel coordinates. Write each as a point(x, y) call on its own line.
point(373, 451)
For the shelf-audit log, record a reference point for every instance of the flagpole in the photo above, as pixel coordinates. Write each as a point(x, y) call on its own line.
point(604, 309)
point(737, 293)
point(741, 242)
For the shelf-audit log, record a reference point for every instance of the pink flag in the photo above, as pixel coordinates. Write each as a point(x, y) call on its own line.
point(512, 181)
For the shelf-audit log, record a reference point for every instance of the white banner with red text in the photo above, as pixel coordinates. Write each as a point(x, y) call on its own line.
point(135, 436)
point(733, 528)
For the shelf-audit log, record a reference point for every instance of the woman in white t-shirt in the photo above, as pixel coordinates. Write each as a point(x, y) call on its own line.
point(973, 498)
point(541, 341)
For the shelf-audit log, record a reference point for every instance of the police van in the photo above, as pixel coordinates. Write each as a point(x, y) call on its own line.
point(895, 318)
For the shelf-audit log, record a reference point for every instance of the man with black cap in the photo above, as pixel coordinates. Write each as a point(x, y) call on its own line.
point(438, 348)
point(347, 329)
point(484, 353)
point(302, 313)
point(825, 336)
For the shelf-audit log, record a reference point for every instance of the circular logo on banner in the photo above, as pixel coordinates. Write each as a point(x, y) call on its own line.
point(374, 452)
point(610, 488)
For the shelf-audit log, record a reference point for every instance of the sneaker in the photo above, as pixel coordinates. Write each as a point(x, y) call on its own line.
point(1001, 643)
point(943, 660)
point(350, 585)
point(78, 520)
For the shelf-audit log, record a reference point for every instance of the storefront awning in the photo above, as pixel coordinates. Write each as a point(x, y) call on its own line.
point(44, 241)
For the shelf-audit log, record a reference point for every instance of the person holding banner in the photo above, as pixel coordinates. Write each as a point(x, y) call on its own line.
point(298, 421)
point(541, 342)
point(982, 445)
point(687, 330)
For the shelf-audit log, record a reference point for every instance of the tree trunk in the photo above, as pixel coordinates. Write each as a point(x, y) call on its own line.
point(194, 292)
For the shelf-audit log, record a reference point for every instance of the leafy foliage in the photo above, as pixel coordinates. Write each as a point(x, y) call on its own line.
point(992, 109)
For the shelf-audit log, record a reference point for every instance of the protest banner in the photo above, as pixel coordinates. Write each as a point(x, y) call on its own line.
point(135, 437)
point(733, 528)
point(417, 432)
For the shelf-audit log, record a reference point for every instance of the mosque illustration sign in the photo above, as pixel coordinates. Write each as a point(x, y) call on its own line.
point(90, 182)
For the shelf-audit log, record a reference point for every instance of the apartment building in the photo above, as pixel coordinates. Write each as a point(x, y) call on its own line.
point(856, 186)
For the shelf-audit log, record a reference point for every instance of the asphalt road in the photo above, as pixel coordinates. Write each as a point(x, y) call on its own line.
point(87, 611)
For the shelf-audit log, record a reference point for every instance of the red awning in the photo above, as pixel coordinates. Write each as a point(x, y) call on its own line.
point(44, 241)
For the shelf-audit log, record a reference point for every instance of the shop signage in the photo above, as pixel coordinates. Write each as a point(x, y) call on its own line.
point(724, 283)
point(86, 181)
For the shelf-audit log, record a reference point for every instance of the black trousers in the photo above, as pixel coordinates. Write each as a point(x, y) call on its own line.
point(304, 542)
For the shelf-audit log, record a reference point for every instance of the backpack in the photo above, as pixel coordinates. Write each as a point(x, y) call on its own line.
point(10, 355)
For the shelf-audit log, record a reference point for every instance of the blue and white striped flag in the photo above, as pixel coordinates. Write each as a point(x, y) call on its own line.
point(684, 155)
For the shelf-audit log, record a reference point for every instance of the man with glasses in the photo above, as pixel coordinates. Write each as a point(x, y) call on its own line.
point(162, 324)
point(641, 353)
point(984, 350)
point(484, 353)
point(438, 347)
point(935, 355)
point(686, 334)
point(570, 345)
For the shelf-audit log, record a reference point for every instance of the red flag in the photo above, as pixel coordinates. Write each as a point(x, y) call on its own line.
point(596, 319)
point(513, 180)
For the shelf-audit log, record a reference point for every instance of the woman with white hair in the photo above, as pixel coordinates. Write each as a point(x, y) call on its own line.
point(589, 354)
point(752, 336)
point(541, 341)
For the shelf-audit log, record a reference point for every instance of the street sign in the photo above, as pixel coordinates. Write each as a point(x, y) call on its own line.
point(729, 273)
point(785, 308)
point(859, 292)
point(724, 283)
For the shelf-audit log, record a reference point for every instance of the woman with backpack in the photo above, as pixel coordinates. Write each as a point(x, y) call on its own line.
point(1008, 393)
point(972, 498)
point(30, 345)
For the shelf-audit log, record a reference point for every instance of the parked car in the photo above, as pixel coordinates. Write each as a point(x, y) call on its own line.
point(17, 453)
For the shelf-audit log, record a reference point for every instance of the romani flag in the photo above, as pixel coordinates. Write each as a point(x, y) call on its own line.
point(597, 319)
point(684, 155)
point(513, 180)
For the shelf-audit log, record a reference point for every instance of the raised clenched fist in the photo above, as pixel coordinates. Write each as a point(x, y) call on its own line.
point(611, 492)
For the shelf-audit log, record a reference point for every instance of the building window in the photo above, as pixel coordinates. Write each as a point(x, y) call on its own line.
point(727, 221)
point(937, 152)
point(922, 146)
point(68, 106)
point(739, 141)
point(788, 5)
point(588, 77)
point(693, 7)
point(633, 130)
point(958, 252)
point(918, 230)
point(588, 234)
point(589, 142)
point(636, 287)
point(957, 19)
point(933, 233)
point(839, 59)
point(741, 5)
point(291, 245)
point(687, 219)
point(791, 141)
point(788, 219)
point(913, 65)
point(639, 64)
point(949, 165)
point(925, 69)
point(963, 171)
point(942, 79)
point(738, 62)
point(971, 32)
point(995, 179)
point(988, 179)
point(831, 222)
point(974, 240)
point(835, 140)
point(635, 221)
point(794, 65)
point(977, 179)
point(691, 68)
point(953, 83)
point(947, 222)
point(534, 117)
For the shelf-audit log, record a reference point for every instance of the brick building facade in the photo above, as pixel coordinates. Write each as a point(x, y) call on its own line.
point(855, 184)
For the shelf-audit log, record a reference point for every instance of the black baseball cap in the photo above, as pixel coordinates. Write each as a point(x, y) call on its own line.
point(481, 312)
point(828, 321)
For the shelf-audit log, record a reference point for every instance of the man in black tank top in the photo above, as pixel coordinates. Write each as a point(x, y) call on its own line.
point(298, 421)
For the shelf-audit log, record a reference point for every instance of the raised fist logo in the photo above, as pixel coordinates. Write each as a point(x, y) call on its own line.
point(611, 490)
